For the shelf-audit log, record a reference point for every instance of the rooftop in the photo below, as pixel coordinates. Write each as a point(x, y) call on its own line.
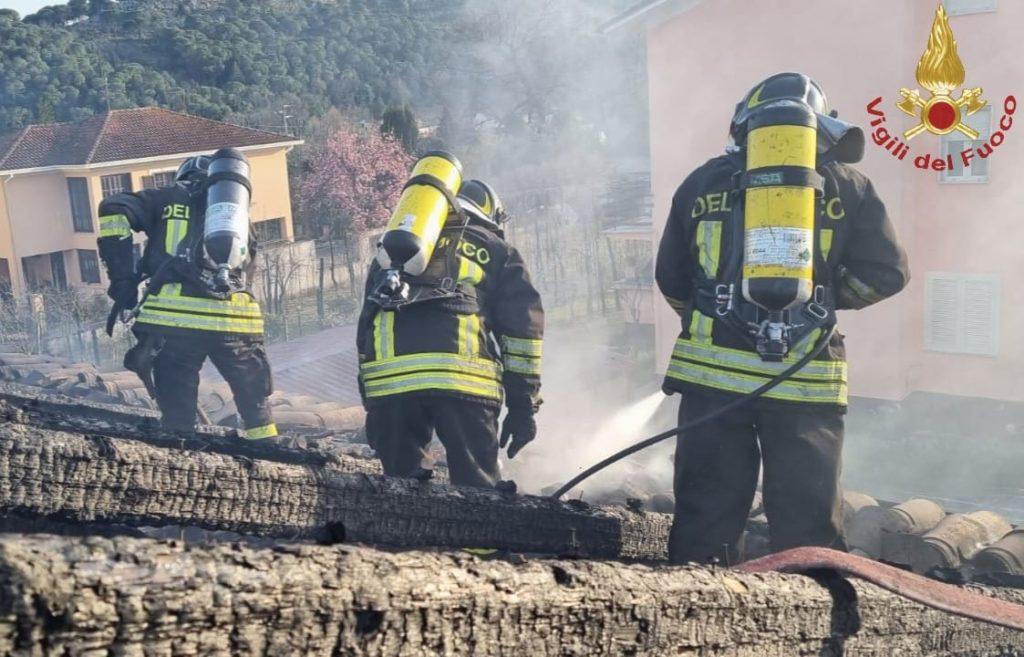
point(128, 134)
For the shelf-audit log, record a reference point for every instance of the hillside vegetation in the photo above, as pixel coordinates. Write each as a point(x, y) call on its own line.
point(224, 59)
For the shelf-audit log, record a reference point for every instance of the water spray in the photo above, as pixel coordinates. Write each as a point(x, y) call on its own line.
point(727, 408)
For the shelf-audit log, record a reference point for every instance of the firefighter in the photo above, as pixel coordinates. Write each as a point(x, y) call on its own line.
point(795, 432)
point(182, 321)
point(444, 364)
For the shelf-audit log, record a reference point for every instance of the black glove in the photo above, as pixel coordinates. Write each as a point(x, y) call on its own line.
point(124, 292)
point(520, 426)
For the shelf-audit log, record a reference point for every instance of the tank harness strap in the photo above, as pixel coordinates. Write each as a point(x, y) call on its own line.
point(438, 184)
point(781, 175)
point(229, 175)
point(722, 298)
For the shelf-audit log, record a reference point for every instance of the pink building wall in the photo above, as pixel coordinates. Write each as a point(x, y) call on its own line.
point(702, 61)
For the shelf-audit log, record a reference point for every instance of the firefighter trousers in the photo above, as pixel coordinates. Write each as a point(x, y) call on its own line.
point(400, 429)
point(797, 448)
point(242, 361)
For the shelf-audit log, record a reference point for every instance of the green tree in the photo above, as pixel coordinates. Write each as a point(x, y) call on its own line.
point(400, 123)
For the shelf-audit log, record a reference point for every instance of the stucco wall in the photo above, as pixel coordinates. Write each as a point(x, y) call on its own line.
point(40, 209)
point(704, 60)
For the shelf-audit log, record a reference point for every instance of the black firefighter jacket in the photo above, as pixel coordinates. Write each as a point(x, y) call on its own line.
point(857, 256)
point(172, 219)
point(482, 343)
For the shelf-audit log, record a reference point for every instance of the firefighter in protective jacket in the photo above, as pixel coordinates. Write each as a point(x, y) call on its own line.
point(445, 364)
point(796, 429)
point(180, 320)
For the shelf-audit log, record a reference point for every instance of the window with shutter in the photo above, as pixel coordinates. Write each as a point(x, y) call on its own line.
point(956, 142)
point(962, 313)
point(961, 7)
point(115, 184)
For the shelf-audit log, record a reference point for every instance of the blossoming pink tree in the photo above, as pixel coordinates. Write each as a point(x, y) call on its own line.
point(351, 185)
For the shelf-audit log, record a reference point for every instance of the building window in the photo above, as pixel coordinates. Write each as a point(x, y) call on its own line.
point(271, 230)
point(89, 266)
point(158, 180)
point(961, 7)
point(81, 212)
point(962, 313)
point(116, 184)
point(956, 143)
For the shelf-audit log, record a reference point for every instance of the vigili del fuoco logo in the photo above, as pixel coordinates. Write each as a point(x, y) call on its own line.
point(941, 73)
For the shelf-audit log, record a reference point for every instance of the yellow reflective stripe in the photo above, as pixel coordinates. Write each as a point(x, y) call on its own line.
point(244, 308)
point(834, 393)
point(700, 327)
point(709, 245)
point(825, 237)
point(714, 355)
point(522, 346)
point(176, 231)
point(433, 381)
point(469, 335)
point(522, 365)
point(384, 334)
point(115, 225)
point(203, 323)
point(470, 272)
point(259, 433)
point(478, 367)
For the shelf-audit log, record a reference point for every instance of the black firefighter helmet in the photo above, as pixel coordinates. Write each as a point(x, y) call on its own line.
point(844, 141)
point(479, 200)
point(193, 169)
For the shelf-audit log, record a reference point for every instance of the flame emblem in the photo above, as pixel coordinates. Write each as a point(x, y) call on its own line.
point(941, 72)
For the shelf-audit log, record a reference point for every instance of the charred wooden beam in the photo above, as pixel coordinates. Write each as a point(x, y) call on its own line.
point(61, 596)
point(96, 478)
point(33, 406)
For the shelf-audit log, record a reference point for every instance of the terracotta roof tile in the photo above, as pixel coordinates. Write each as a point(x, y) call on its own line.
point(124, 135)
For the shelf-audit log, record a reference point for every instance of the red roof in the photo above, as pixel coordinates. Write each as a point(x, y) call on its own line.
point(129, 134)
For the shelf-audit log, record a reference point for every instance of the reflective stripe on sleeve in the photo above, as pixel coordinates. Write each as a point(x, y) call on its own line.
point(522, 365)
point(115, 225)
point(522, 346)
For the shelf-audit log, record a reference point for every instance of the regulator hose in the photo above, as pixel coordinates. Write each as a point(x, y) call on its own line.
point(819, 346)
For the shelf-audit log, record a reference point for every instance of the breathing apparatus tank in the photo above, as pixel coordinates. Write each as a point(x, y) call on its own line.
point(408, 244)
point(226, 228)
point(780, 203)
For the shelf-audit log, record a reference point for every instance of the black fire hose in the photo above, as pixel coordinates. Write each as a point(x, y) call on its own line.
point(731, 406)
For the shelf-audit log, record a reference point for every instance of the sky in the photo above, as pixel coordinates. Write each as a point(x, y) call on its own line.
point(24, 7)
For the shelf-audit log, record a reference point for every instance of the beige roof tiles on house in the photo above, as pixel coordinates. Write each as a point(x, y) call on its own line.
point(128, 134)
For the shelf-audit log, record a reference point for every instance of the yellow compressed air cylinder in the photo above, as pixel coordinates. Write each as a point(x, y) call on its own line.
point(779, 208)
point(420, 215)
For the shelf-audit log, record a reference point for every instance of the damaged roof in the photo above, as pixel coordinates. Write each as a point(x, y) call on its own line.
point(128, 134)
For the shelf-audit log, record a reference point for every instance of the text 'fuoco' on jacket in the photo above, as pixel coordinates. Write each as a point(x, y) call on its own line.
point(476, 332)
